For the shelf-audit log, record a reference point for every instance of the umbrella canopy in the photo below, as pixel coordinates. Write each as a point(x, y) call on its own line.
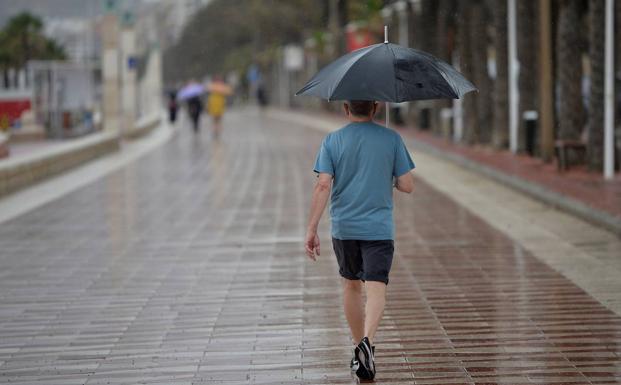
point(190, 91)
point(389, 73)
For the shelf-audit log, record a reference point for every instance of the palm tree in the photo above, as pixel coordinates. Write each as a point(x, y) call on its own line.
point(466, 64)
point(22, 40)
point(569, 70)
point(526, 49)
point(444, 48)
point(429, 14)
point(444, 24)
point(595, 148)
point(478, 131)
point(501, 121)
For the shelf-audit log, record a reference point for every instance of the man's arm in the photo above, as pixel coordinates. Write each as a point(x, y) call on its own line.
point(321, 193)
point(405, 183)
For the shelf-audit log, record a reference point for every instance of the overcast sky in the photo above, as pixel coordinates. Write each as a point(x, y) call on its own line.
point(50, 8)
point(57, 8)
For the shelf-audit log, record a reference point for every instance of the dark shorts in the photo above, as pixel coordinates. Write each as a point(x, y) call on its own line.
point(364, 260)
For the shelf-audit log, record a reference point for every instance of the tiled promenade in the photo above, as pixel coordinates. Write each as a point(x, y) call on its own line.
point(186, 267)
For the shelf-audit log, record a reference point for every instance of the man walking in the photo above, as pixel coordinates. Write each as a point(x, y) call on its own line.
point(359, 164)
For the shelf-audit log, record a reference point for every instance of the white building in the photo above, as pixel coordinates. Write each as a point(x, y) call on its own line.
point(78, 37)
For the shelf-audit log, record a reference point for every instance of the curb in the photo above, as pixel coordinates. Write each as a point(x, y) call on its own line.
point(16, 174)
point(143, 127)
point(20, 173)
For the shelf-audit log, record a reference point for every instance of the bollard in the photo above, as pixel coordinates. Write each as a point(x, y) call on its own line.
point(530, 128)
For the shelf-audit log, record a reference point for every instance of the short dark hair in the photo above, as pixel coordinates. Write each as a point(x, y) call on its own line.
point(360, 107)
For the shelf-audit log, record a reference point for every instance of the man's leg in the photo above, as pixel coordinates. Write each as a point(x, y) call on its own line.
point(376, 300)
point(377, 260)
point(353, 305)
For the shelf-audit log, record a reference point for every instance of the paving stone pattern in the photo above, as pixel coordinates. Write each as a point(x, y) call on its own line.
point(186, 267)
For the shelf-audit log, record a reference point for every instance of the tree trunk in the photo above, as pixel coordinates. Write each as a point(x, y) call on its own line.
point(569, 71)
point(443, 51)
point(501, 116)
point(429, 11)
point(428, 42)
point(445, 8)
point(466, 64)
point(595, 148)
point(6, 79)
point(481, 132)
point(527, 26)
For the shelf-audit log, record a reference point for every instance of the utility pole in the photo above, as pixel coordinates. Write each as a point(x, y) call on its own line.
point(513, 76)
point(128, 72)
point(110, 69)
point(609, 117)
point(546, 86)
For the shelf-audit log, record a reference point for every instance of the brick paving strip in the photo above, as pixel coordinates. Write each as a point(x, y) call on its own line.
point(186, 267)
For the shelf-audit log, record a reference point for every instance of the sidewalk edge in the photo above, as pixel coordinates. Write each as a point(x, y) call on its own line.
point(50, 189)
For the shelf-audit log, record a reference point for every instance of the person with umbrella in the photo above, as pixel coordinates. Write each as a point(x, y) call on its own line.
point(358, 166)
point(172, 105)
point(192, 93)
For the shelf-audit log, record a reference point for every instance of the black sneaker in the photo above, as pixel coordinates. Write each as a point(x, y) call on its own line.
point(354, 363)
point(366, 358)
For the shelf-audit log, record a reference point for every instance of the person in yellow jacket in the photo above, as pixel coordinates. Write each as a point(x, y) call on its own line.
point(216, 103)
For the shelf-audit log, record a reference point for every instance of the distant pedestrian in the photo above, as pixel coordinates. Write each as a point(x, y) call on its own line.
point(357, 165)
point(172, 106)
point(195, 108)
point(191, 93)
point(262, 96)
point(216, 102)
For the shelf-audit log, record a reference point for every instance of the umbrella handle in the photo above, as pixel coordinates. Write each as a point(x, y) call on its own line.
point(387, 115)
point(386, 42)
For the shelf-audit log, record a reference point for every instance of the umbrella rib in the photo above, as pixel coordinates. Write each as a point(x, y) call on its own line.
point(394, 59)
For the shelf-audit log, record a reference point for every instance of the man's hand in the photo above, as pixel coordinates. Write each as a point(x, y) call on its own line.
point(321, 194)
point(311, 244)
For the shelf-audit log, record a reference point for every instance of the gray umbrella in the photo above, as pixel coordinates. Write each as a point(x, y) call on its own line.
point(389, 73)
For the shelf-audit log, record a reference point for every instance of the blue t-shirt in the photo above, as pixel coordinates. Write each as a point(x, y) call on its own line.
point(363, 158)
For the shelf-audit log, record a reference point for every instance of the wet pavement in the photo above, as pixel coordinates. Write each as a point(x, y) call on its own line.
point(186, 267)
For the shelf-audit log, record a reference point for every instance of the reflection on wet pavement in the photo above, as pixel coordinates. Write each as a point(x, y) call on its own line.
point(187, 267)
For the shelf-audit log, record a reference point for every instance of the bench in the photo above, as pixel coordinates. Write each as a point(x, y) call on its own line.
point(563, 147)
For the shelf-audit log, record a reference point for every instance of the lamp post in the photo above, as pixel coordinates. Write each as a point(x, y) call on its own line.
point(513, 76)
point(609, 117)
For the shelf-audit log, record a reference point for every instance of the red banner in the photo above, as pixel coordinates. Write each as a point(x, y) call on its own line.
point(12, 109)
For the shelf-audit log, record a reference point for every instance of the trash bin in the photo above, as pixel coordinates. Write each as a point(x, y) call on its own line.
point(530, 134)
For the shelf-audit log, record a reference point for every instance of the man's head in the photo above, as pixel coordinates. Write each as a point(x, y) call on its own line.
point(360, 109)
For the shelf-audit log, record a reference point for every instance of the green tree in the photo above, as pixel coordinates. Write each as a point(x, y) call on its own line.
point(231, 34)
